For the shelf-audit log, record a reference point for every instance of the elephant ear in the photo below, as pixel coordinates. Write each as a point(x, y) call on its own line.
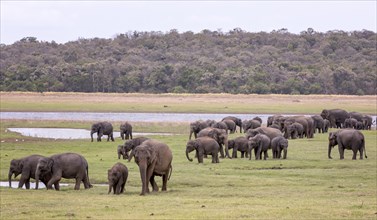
point(152, 155)
point(50, 164)
point(21, 165)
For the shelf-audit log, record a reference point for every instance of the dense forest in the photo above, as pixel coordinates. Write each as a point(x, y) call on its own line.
point(335, 62)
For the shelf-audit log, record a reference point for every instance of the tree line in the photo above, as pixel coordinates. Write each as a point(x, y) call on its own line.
point(279, 62)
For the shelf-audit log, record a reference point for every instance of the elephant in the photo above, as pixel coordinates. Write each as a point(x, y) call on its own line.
point(318, 123)
point(121, 151)
point(25, 166)
point(239, 144)
point(220, 125)
point(367, 122)
point(203, 146)
point(326, 125)
point(349, 139)
point(261, 143)
point(65, 165)
point(231, 125)
point(250, 124)
point(294, 130)
point(154, 158)
point(335, 116)
point(270, 132)
point(196, 127)
point(258, 119)
point(210, 122)
point(272, 119)
point(274, 126)
point(126, 131)
point(117, 177)
point(236, 120)
point(350, 123)
point(356, 115)
point(102, 128)
point(359, 125)
point(130, 146)
point(278, 145)
point(306, 122)
point(220, 136)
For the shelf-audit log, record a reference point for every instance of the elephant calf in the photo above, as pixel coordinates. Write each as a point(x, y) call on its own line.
point(126, 131)
point(261, 143)
point(279, 144)
point(117, 177)
point(121, 151)
point(239, 144)
point(203, 146)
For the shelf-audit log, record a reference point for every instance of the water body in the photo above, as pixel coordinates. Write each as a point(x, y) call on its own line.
point(68, 133)
point(139, 117)
point(14, 184)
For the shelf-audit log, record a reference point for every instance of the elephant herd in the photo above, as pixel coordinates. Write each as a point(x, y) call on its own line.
point(154, 158)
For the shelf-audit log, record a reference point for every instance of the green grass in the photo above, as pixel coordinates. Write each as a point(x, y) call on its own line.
point(305, 186)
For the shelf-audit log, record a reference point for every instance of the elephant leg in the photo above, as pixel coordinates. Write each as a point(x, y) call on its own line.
point(77, 185)
point(164, 181)
point(122, 189)
point(361, 150)
point(22, 181)
point(57, 186)
point(119, 187)
point(354, 153)
point(234, 154)
point(112, 137)
point(153, 183)
point(222, 151)
point(27, 184)
point(341, 151)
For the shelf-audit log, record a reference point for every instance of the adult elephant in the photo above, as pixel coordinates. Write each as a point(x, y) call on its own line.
point(335, 116)
point(236, 120)
point(250, 124)
point(130, 145)
point(367, 122)
point(231, 125)
point(126, 130)
point(220, 125)
point(220, 136)
point(278, 145)
point(319, 124)
point(273, 119)
point(102, 128)
point(349, 139)
point(25, 166)
point(196, 127)
point(203, 146)
point(306, 122)
point(66, 165)
point(154, 158)
point(356, 115)
point(239, 144)
point(270, 132)
point(261, 143)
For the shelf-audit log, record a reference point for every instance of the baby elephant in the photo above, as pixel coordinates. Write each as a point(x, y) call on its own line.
point(261, 143)
point(117, 177)
point(278, 144)
point(121, 151)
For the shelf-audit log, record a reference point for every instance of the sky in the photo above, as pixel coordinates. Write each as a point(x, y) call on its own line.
point(63, 21)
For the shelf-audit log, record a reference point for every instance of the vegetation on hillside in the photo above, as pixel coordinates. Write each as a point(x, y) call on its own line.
point(335, 62)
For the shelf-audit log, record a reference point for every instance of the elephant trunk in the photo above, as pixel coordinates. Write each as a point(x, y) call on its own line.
point(191, 131)
point(143, 176)
point(110, 186)
point(226, 145)
point(329, 151)
point(187, 155)
point(10, 178)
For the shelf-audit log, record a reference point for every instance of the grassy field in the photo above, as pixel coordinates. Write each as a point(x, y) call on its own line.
point(192, 103)
point(305, 186)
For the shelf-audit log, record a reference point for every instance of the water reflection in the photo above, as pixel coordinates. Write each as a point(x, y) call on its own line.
point(67, 133)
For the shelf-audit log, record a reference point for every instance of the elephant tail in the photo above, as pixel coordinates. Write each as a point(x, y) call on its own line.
point(87, 175)
point(170, 171)
point(365, 150)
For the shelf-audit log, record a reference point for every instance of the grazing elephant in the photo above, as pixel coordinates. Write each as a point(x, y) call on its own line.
point(279, 144)
point(294, 130)
point(220, 125)
point(66, 165)
point(102, 128)
point(318, 123)
point(196, 127)
point(130, 146)
point(261, 143)
point(335, 116)
point(121, 151)
point(25, 166)
point(349, 139)
point(203, 146)
point(250, 124)
point(239, 144)
point(126, 131)
point(306, 122)
point(154, 158)
point(117, 177)
point(231, 125)
point(270, 132)
point(220, 136)
point(236, 120)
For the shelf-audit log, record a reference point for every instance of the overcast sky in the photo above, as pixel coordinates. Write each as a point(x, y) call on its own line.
point(64, 21)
